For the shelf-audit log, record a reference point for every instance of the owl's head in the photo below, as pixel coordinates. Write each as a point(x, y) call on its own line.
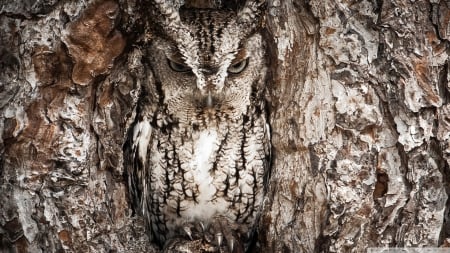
point(209, 63)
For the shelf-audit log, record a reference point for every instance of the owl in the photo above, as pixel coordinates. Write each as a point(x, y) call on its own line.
point(198, 152)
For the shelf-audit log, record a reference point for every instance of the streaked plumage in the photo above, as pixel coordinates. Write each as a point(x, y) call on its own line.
point(197, 154)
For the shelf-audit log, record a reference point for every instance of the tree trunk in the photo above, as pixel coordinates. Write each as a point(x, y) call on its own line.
point(359, 112)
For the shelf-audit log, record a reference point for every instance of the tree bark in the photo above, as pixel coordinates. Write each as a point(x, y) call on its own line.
point(359, 112)
point(359, 126)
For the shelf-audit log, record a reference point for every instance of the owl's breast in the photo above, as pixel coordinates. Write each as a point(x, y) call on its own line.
point(201, 172)
point(201, 156)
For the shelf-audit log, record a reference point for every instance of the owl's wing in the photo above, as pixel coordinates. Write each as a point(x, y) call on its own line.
point(136, 165)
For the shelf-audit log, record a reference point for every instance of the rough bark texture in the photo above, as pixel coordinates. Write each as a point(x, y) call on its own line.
point(359, 107)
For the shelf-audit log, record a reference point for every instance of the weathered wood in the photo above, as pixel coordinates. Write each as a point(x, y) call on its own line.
point(359, 115)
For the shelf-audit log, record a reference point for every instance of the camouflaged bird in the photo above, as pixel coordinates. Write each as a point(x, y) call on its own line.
point(197, 155)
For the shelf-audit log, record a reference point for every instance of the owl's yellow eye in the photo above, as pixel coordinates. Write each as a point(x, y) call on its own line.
point(238, 67)
point(178, 67)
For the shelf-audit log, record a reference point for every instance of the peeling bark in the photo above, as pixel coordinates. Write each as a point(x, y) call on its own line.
point(359, 110)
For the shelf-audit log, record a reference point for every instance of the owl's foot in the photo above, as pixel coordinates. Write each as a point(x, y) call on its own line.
point(183, 245)
point(218, 236)
point(223, 234)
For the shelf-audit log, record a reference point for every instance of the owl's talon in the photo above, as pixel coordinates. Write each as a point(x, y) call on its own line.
point(203, 227)
point(231, 244)
point(249, 234)
point(219, 239)
point(188, 231)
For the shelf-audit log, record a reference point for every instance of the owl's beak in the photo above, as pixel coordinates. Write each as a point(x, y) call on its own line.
point(209, 100)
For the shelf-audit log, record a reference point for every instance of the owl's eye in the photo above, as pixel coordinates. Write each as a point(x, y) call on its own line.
point(178, 67)
point(238, 67)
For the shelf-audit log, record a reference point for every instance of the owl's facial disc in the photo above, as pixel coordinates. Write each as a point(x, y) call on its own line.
point(212, 68)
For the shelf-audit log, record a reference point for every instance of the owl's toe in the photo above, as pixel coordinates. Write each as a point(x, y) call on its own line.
point(220, 235)
point(225, 234)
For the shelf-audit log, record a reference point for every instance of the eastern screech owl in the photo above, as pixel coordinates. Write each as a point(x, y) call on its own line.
point(197, 155)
